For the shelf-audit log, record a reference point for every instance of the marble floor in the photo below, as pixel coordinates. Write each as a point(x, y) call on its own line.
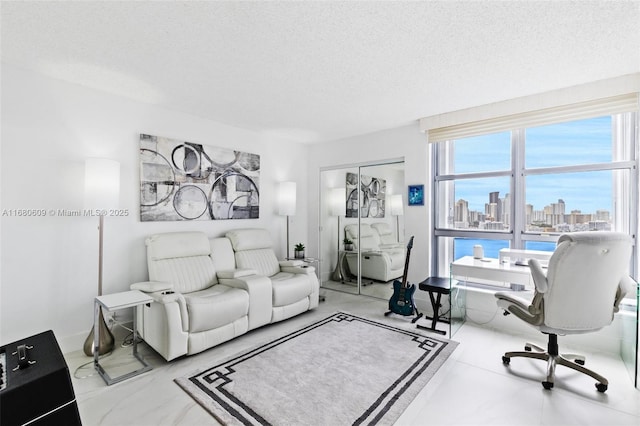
point(472, 388)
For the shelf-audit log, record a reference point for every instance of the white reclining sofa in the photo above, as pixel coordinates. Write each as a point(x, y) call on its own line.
point(294, 286)
point(201, 299)
point(381, 262)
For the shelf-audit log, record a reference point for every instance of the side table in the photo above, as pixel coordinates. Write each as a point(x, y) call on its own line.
point(315, 263)
point(112, 302)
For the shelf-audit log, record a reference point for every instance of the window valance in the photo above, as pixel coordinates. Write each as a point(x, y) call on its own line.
point(575, 103)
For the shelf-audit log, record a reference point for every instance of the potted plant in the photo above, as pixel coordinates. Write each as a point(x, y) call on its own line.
point(348, 244)
point(299, 251)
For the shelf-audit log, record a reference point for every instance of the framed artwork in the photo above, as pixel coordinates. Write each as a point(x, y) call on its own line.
point(366, 196)
point(416, 195)
point(181, 180)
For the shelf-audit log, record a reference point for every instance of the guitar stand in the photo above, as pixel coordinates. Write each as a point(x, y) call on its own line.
point(415, 311)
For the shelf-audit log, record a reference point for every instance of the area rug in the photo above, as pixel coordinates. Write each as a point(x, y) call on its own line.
point(341, 370)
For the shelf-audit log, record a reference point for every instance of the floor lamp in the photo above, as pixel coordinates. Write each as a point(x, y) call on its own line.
point(102, 190)
point(395, 204)
point(287, 204)
point(338, 208)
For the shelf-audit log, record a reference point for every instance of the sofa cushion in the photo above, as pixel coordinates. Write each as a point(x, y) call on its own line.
point(215, 306)
point(249, 239)
point(289, 288)
point(264, 261)
point(177, 244)
point(385, 234)
point(222, 254)
point(369, 239)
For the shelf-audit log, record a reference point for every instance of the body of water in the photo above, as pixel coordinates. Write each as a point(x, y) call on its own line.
point(464, 247)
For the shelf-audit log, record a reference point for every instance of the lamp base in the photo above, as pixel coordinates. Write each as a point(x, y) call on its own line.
point(106, 341)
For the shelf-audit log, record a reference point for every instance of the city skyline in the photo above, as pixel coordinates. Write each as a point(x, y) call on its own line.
point(564, 144)
point(553, 216)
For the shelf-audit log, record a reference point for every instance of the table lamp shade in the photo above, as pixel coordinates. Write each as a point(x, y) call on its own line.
point(338, 201)
point(101, 183)
point(287, 198)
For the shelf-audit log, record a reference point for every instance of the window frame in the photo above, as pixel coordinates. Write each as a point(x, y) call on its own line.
point(624, 135)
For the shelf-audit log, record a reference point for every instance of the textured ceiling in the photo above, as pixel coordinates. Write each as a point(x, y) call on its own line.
point(317, 71)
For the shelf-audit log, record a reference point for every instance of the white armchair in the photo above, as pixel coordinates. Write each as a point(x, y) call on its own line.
point(386, 236)
point(586, 279)
point(191, 311)
point(378, 262)
point(295, 287)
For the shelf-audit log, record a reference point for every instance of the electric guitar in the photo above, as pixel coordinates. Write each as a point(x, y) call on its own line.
point(401, 301)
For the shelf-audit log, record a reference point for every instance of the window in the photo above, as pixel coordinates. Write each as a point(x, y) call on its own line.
point(524, 187)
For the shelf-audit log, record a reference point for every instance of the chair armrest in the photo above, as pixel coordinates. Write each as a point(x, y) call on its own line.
point(299, 269)
point(151, 286)
point(627, 285)
point(236, 273)
point(538, 275)
point(522, 308)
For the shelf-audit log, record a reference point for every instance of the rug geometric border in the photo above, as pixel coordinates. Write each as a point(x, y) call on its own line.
point(213, 382)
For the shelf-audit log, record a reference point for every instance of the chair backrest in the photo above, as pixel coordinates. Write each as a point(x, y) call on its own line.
point(254, 250)
point(583, 276)
point(369, 239)
point(181, 258)
point(384, 233)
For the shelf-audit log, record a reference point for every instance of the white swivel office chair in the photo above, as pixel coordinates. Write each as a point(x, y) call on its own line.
point(586, 279)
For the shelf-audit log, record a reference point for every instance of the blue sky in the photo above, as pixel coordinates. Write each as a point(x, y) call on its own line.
point(580, 142)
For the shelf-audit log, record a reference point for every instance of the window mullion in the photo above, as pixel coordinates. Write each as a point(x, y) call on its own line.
point(519, 210)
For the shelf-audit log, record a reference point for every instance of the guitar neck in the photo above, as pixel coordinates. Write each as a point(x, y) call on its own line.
point(406, 263)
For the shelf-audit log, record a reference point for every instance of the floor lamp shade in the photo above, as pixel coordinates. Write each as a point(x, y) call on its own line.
point(338, 202)
point(396, 209)
point(287, 198)
point(101, 183)
point(395, 205)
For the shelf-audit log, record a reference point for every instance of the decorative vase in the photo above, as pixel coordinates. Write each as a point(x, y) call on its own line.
point(106, 341)
point(299, 254)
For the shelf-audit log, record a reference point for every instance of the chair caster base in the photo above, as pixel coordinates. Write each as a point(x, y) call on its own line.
point(547, 385)
point(601, 387)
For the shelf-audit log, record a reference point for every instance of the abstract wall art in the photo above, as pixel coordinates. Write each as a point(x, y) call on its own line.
point(416, 195)
point(181, 180)
point(367, 196)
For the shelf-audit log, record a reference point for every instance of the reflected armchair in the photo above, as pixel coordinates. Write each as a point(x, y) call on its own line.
point(586, 279)
point(378, 261)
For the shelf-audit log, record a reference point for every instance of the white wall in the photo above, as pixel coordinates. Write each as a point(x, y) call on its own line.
point(406, 143)
point(49, 264)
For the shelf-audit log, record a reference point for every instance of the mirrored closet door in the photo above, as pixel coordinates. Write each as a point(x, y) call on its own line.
point(362, 228)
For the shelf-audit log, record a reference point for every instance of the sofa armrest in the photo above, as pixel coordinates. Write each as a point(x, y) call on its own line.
point(151, 286)
point(299, 269)
point(236, 273)
point(260, 297)
point(285, 263)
